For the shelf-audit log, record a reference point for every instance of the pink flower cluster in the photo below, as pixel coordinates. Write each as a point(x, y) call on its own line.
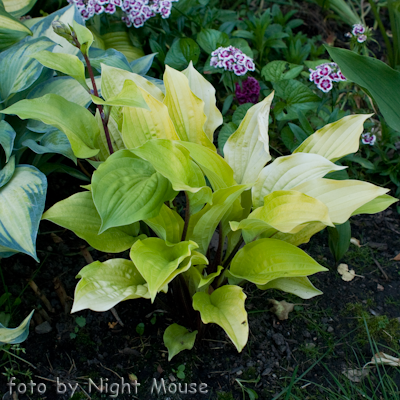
point(249, 91)
point(137, 12)
point(368, 138)
point(359, 32)
point(232, 59)
point(325, 74)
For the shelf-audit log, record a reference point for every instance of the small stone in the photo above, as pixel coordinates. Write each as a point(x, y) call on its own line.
point(44, 327)
point(278, 339)
point(306, 334)
point(171, 378)
point(380, 288)
point(330, 329)
point(239, 372)
point(266, 371)
point(310, 345)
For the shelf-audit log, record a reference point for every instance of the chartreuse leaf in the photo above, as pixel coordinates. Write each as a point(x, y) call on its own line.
point(247, 150)
point(84, 36)
point(337, 139)
point(300, 286)
point(287, 172)
point(79, 214)
point(7, 136)
point(341, 197)
point(217, 170)
point(376, 205)
point(205, 91)
point(129, 96)
point(7, 172)
point(156, 260)
point(22, 202)
point(141, 124)
point(168, 225)
point(225, 307)
point(68, 64)
point(119, 40)
point(52, 109)
point(202, 225)
point(284, 211)
point(203, 196)
point(127, 189)
point(18, 8)
point(115, 137)
point(16, 335)
point(302, 236)
point(185, 108)
point(177, 338)
point(263, 260)
point(120, 280)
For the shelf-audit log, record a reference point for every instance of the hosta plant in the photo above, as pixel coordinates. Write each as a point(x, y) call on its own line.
point(158, 172)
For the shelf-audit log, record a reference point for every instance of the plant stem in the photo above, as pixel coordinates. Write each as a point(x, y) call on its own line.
point(217, 259)
point(187, 218)
point(233, 253)
point(19, 358)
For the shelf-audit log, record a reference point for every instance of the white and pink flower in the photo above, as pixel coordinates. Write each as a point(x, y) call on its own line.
point(325, 74)
point(367, 138)
point(232, 59)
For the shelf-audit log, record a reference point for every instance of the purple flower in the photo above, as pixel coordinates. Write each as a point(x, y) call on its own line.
point(232, 59)
point(248, 92)
point(361, 38)
point(367, 138)
point(358, 29)
point(325, 74)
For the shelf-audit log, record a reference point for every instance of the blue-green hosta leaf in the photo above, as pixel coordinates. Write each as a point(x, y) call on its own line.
point(103, 285)
point(177, 338)
point(225, 307)
point(110, 57)
point(263, 260)
point(16, 335)
point(7, 172)
point(79, 214)
point(300, 286)
point(52, 142)
point(18, 8)
point(127, 189)
point(7, 136)
point(22, 202)
point(157, 261)
point(52, 109)
point(289, 171)
point(142, 65)
point(120, 40)
point(17, 70)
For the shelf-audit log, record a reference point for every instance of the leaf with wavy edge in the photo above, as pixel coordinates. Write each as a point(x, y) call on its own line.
point(287, 172)
point(177, 338)
point(102, 285)
point(225, 307)
point(337, 139)
point(263, 260)
point(247, 149)
point(15, 335)
point(300, 237)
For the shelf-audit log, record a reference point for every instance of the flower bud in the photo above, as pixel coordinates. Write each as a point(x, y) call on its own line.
point(63, 30)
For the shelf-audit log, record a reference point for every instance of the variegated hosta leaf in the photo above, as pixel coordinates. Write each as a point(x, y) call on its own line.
point(263, 260)
point(105, 284)
point(15, 335)
point(177, 338)
point(225, 307)
point(205, 91)
point(115, 137)
point(7, 172)
point(11, 30)
point(284, 211)
point(185, 108)
point(79, 214)
point(140, 125)
point(157, 261)
point(18, 8)
point(168, 225)
point(217, 170)
point(287, 172)
point(300, 286)
point(7, 136)
point(127, 189)
point(376, 205)
point(247, 149)
point(52, 109)
point(303, 236)
point(341, 197)
point(202, 225)
point(337, 139)
point(22, 202)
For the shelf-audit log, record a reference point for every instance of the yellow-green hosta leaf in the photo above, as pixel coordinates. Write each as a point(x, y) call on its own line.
point(79, 214)
point(376, 205)
point(22, 202)
point(84, 36)
point(18, 8)
point(140, 124)
point(300, 237)
point(287, 172)
point(341, 197)
point(168, 225)
point(115, 137)
point(217, 170)
point(185, 108)
point(263, 260)
point(206, 281)
point(68, 64)
point(15, 335)
point(247, 149)
point(300, 286)
point(156, 260)
point(129, 96)
point(337, 139)
point(177, 338)
point(284, 211)
point(205, 91)
point(202, 225)
point(127, 189)
point(11, 30)
point(52, 109)
point(119, 40)
point(225, 307)
point(102, 285)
